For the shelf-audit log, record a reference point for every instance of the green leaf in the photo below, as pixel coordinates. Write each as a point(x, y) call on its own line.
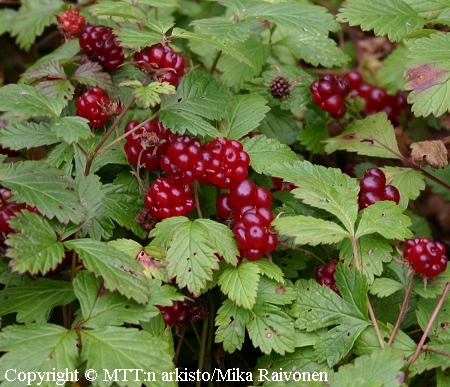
point(428, 74)
point(35, 248)
point(34, 302)
point(424, 312)
point(198, 95)
point(308, 230)
point(352, 286)
point(273, 292)
point(163, 295)
point(26, 102)
point(222, 29)
point(235, 72)
point(127, 348)
point(394, 19)
point(119, 272)
point(385, 218)
point(315, 49)
point(191, 256)
point(225, 48)
point(435, 11)
point(246, 113)
point(391, 74)
point(119, 11)
point(265, 151)
point(372, 136)
point(51, 68)
point(304, 18)
point(279, 124)
point(122, 204)
point(271, 329)
point(338, 198)
point(7, 16)
point(383, 366)
point(71, 129)
point(149, 96)
point(231, 320)
point(59, 89)
point(137, 39)
point(240, 284)
point(313, 137)
point(164, 231)
point(92, 74)
point(102, 309)
point(26, 135)
point(373, 250)
point(36, 348)
point(31, 19)
point(269, 269)
point(383, 287)
point(44, 187)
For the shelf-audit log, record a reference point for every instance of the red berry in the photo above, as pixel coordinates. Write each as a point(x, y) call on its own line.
point(355, 79)
point(426, 257)
point(242, 193)
point(224, 207)
point(7, 211)
point(71, 21)
point(100, 44)
point(372, 184)
point(325, 274)
point(369, 198)
point(391, 193)
point(91, 105)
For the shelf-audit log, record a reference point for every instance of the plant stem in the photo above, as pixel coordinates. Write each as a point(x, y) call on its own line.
point(107, 134)
point(180, 342)
point(436, 350)
point(428, 327)
point(201, 355)
point(216, 60)
point(403, 310)
point(8, 282)
point(305, 252)
point(209, 343)
point(197, 203)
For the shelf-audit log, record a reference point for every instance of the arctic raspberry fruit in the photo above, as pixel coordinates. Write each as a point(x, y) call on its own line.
point(427, 258)
point(329, 94)
point(71, 21)
point(373, 188)
point(7, 211)
point(325, 275)
point(92, 105)
point(100, 44)
point(280, 88)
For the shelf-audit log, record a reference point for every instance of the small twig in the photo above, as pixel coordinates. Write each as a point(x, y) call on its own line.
point(305, 252)
point(180, 342)
point(201, 356)
point(436, 350)
point(216, 60)
point(197, 203)
point(8, 282)
point(403, 310)
point(373, 318)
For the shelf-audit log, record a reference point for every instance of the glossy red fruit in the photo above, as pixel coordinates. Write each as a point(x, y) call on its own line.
point(101, 45)
point(71, 21)
point(325, 274)
point(242, 193)
point(92, 105)
point(427, 258)
point(391, 193)
point(8, 211)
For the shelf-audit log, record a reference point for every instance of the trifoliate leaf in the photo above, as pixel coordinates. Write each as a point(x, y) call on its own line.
point(236, 72)
point(127, 348)
point(119, 272)
point(71, 129)
point(372, 249)
point(60, 89)
point(137, 39)
point(428, 74)
point(52, 68)
point(391, 74)
point(32, 18)
point(7, 16)
point(35, 301)
point(265, 151)
point(92, 74)
point(246, 113)
point(240, 284)
point(149, 96)
point(198, 95)
point(373, 136)
point(308, 230)
point(386, 219)
point(352, 286)
point(35, 248)
point(191, 256)
point(222, 29)
point(394, 19)
point(269, 269)
point(25, 101)
point(44, 187)
point(383, 366)
point(102, 309)
point(164, 231)
point(36, 348)
point(122, 204)
point(339, 198)
point(273, 292)
point(383, 287)
point(317, 49)
point(225, 48)
point(305, 18)
point(271, 329)
point(119, 11)
point(435, 11)
point(231, 320)
point(26, 135)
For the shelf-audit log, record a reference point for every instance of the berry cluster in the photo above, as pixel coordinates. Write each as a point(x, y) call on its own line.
point(280, 88)
point(181, 313)
point(281, 185)
point(71, 22)
point(329, 92)
point(376, 98)
point(9, 209)
point(325, 275)
point(248, 205)
point(100, 44)
point(166, 63)
point(425, 256)
point(93, 106)
point(165, 199)
point(373, 188)
point(150, 143)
